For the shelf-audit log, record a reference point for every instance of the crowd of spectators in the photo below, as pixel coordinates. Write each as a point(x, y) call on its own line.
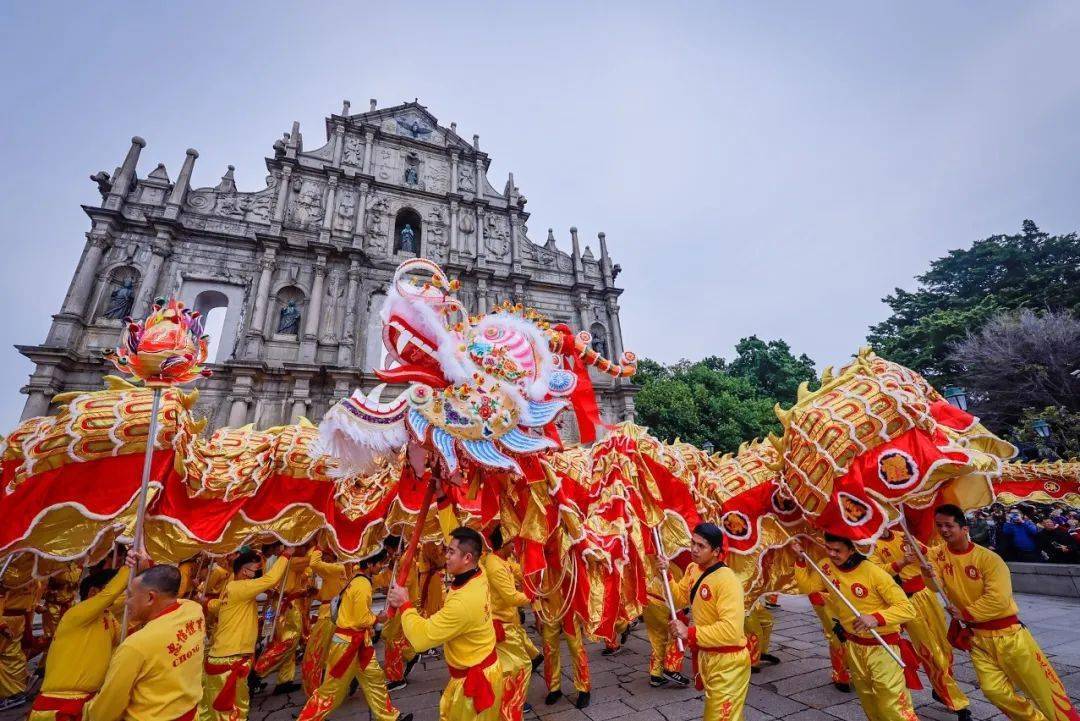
point(1029, 532)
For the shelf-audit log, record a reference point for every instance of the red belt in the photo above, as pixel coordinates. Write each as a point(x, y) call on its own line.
point(500, 630)
point(67, 709)
point(358, 648)
point(913, 585)
point(995, 625)
point(817, 598)
point(238, 669)
point(907, 654)
point(890, 638)
point(477, 686)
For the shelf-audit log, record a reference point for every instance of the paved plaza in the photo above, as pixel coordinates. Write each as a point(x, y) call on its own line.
point(798, 689)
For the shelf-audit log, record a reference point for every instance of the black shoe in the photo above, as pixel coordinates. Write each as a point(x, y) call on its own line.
point(537, 661)
point(395, 685)
point(676, 677)
point(354, 685)
point(769, 658)
point(527, 708)
point(256, 685)
point(657, 681)
point(608, 651)
point(845, 687)
point(963, 714)
point(582, 699)
point(625, 634)
point(404, 717)
point(288, 687)
point(552, 697)
point(409, 666)
point(755, 669)
point(771, 606)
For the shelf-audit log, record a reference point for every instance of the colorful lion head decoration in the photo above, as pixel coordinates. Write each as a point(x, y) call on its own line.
point(477, 390)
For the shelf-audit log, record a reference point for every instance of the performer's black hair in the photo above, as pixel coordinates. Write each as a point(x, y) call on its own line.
point(97, 579)
point(952, 511)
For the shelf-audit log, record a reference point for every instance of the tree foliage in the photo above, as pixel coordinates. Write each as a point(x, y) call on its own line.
point(964, 290)
point(715, 401)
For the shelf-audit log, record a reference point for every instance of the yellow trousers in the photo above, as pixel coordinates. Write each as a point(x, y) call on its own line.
point(516, 665)
point(13, 671)
point(758, 627)
point(315, 652)
point(836, 650)
point(664, 653)
point(280, 655)
point(726, 679)
point(456, 706)
point(332, 692)
point(928, 636)
point(397, 652)
point(1015, 661)
point(212, 685)
point(552, 634)
point(879, 683)
point(530, 647)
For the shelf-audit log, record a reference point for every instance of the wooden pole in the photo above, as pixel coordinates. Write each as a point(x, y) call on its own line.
point(667, 586)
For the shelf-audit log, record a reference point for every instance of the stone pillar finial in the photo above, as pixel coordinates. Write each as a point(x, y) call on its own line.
point(605, 260)
point(578, 269)
point(122, 181)
point(345, 105)
point(374, 104)
point(476, 142)
point(453, 127)
point(183, 184)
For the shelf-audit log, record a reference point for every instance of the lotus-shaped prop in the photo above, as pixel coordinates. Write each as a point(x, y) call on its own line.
point(167, 349)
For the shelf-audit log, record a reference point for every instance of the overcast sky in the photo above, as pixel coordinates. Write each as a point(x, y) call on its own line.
point(759, 168)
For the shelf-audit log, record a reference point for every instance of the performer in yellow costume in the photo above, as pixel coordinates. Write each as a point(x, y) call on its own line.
point(715, 636)
point(333, 579)
point(225, 694)
point(841, 679)
point(60, 592)
point(759, 627)
point(431, 562)
point(927, 630)
point(556, 624)
point(464, 628)
point(156, 673)
point(878, 679)
point(398, 656)
point(16, 606)
point(219, 573)
point(352, 655)
point(511, 641)
point(1003, 652)
point(81, 648)
point(519, 582)
point(665, 658)
point(280, 654)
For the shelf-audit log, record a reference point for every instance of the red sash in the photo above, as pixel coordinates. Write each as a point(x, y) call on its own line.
point(907, 654)
point(500, 630)
point(358, 647)
point(238, 669)
point(477, 687)
point(189, 716)
point(67, 709)
point(913, 585)
point(695, 650)
point(994, 625)
point(817, 598)
point(959, 636)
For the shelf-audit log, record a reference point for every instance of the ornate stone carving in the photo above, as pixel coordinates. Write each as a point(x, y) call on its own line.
point(346, 211)
point(120, 301)
point(306, 212)
point(413, 128)
point(289, 319)
point(466, 222)
point(495, 237)
point(377, 219)
point(354, 151)
point(466, 182)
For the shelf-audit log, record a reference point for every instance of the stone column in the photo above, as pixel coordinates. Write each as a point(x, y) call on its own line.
point(482, 300)
point(339, 144)
point(122, 181)
point(479, 175)
point(282, 196)
point(83, 282)
point(581, 305)
point(301, 393)
point(579, 268)
point(328, 214)
point(454, 249)
point(480, 259)
point(515, 258)
point(238, 412)
point(369, 141)
point(360, 220)
point(616, 329)
point(454, 170)
point(348, 333)
point(311, 323)
point(262, 302)
point(183, 182)
point(148, 286)
point(37, 403)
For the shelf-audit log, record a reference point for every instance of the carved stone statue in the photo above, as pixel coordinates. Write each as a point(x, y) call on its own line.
point(120, 301)
point(104, 183)
point(289, 319)
point(410, 176)
point(407, 243)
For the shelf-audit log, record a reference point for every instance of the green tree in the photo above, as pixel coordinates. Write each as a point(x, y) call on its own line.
point(772, 367)
point(966, 288)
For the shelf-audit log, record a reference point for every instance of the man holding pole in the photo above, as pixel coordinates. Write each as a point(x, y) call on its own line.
point(225, 686)
point(288, 623)
point(464, 627)
point(665, 657)
point(715, 636)
point(877, 608)
point(1003, 652)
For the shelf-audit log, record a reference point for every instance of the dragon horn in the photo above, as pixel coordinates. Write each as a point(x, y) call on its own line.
point(624, 369)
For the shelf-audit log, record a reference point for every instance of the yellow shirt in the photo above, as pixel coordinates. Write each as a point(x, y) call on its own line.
point(238, 613)
point(156, 673)
point(718, 609)
point(463, 625)
point(63, 587)
point(23, 598)
point(355, 609)
point(332, 575)
point(83, 644)
point(869, 588)
point(187, 571)
point(505, 598)
point(299, 579)
point(978, 583)
point(215, 580)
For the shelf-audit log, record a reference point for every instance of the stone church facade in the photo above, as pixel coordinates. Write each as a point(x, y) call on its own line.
point(293, 275)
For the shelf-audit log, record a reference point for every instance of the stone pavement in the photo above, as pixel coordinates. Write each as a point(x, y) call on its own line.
point(798, 689)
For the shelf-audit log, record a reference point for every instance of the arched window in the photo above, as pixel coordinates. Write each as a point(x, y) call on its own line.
point(407, 230)
point(289, 312)
point(599, 340)
point(213, 305)
point(118, 296)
